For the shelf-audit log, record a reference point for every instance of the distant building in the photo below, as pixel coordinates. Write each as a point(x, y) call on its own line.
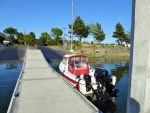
point(127, 44)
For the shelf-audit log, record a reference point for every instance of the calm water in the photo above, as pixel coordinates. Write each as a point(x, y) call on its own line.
point(119, 68)
point(9, 72)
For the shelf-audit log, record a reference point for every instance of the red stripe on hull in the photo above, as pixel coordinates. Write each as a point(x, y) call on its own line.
point(71, 81)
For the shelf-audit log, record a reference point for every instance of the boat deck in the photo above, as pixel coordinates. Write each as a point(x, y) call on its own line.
point(42, 90)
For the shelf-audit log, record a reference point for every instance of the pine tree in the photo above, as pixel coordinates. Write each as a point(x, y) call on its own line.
point(119, 34)
point(79, 28)
point(97, 32)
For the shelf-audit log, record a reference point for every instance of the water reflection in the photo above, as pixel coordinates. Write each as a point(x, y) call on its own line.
point(107, 107)
point(10, 65)
point(119, 68)
point(100, 61)
point(55, 65)
point(9, 72)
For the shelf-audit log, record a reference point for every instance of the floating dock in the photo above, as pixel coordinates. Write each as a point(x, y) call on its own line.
point(40, 89)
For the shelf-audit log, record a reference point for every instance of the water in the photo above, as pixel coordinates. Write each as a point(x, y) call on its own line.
point(9, 73)
point(119, 68)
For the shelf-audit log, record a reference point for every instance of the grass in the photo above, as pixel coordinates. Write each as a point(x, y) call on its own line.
point(105, 55)
point(108, 50)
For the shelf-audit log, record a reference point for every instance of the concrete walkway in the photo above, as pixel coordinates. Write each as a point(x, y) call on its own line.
point(44, 91)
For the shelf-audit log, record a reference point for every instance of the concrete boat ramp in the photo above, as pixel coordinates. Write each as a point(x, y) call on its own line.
point(40, 89)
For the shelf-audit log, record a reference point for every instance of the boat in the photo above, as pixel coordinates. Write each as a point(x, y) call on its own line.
point(76, 70)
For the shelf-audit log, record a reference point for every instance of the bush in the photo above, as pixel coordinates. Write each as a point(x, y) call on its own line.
point(51, 42)
point(82, 51)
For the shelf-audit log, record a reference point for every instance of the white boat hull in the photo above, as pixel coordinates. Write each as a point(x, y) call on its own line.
point(79, 84)
point(75, 69)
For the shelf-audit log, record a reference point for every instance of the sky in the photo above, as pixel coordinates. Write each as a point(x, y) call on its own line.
point(42, 15)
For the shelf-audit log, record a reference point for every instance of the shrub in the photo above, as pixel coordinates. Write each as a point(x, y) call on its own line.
point(82, 51)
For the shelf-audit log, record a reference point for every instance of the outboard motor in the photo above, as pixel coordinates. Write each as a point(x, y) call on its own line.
point(101, 75)
point(87, 79)
point(106, 81)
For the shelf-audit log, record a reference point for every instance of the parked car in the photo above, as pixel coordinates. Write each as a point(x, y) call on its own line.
point(8, 43)
point(42, 44)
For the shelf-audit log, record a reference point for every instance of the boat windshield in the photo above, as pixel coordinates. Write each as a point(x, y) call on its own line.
point(64, 61)
point(71, 63)
point(77, 63)
point(83, 65)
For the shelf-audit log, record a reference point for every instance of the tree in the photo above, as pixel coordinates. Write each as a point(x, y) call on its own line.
point(32, 34)
point(127, 37)
point(10, 31)
point(79, 28)
point(56, 33)
point(30, 38)
point(44, 37)
point(21, 41)
point(2, 37)
point(119, 34)
point(97, 32)
point(20, 38)
point(19, 35)
point(10, 37)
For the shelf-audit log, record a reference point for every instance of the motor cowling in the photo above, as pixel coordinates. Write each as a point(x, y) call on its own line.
point(108, 82)
point(101, 74)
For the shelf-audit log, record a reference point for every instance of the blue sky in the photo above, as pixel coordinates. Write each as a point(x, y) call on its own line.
point(41, 15)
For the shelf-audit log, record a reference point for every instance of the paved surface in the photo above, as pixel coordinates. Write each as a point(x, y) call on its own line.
point(18, 52)
point(43, 91)
point(52, 53)
point(8, 53)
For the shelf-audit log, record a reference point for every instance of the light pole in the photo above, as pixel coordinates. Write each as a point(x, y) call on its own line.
point(71, 50)
point(64, 40)
point(64, 32)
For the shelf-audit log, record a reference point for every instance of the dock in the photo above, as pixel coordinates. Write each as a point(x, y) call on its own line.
point(40, 89)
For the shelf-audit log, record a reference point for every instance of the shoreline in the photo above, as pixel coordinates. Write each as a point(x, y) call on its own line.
point(98, 52)
point(18, 52)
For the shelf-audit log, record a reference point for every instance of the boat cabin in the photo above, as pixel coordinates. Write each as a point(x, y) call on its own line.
point(76, 64)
